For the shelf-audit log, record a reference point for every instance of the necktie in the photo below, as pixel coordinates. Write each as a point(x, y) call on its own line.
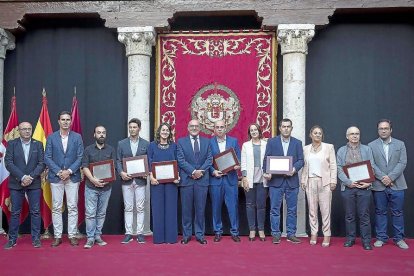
point(196, 148)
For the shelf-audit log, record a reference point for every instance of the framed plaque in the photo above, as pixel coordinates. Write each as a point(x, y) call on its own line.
point(136, 166)
point(166, 171)
point(360, 172)
point(279, 164)
point(225, 161)
point(103, 170)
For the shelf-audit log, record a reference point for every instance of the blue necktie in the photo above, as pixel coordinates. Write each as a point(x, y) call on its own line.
point(196, 148)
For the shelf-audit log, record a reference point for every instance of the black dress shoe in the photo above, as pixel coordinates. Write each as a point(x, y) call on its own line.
point(235, 238)
point(185, 240)
point(202, 241)
point(262, 238)
point(349, 243)
point(367, 246)
point(217, 238)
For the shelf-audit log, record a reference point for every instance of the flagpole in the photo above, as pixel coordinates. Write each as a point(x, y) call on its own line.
point(46, 235)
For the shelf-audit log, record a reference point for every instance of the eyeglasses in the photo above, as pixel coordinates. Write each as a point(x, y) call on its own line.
point(25, 129)
point(383, 128)
point(193, 126)
point(354, 133)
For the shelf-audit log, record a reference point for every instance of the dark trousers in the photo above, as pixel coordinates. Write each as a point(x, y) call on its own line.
point(256, 206)
point(229, 195)
point(193, 197)
point(17, 198)
point(356, 203)
point(276, 197)
point(164, 213)
point(394, 200)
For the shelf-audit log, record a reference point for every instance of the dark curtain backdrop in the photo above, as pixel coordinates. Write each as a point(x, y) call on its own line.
point(357, 73)
point(59, 57)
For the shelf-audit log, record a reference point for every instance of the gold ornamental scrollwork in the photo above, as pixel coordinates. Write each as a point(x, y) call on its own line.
point(216, 47)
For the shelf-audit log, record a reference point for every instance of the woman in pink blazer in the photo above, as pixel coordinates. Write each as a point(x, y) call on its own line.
point(319, 180)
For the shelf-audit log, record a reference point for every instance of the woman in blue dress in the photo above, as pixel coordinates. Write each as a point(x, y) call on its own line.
point(163, 196)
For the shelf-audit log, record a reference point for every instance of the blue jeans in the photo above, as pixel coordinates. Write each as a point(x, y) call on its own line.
point(395, 201)
point(17, 198)
point(276, 196)
point(96, 202)
point(256, 206)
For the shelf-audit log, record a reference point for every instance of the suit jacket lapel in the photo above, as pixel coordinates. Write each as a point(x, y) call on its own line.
point(20, 150)
point(139, 146)
point(30, 150)
point(391, 149)
point(59, 138)
point(381, 149)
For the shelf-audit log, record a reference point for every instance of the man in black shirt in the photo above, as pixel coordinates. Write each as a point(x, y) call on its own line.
point(97, 191)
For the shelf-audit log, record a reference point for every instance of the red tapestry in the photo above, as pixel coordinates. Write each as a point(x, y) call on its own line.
point(210, 77)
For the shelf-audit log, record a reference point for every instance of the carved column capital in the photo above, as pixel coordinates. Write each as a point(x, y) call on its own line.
point(6, 42)
point(294, 38)
point(137, 40)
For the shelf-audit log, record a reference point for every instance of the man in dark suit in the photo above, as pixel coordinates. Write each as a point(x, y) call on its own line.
point(132, 187)
point(223, 187)
point(24, 161)
point(390, 158)
point(63, 157)
point(288, 185)
point(194, 158)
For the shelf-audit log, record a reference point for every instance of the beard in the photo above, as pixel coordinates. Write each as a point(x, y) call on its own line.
point(100, 140)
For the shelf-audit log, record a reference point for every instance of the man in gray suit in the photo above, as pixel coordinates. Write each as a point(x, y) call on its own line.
point(390, 159)
point(356, 195)
point(133, 189)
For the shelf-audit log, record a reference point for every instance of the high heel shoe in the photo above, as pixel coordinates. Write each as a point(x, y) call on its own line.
point(326, 242)
point(262, 236)
point(313, 240)
point(252, 236)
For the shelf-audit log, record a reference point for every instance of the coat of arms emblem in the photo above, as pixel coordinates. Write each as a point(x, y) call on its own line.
point(215, 102)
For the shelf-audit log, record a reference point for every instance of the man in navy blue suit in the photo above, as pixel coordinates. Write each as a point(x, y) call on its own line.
point(24, 161)
point(194, 159)
point(223, 187)
point(288, 185)
point(63, 157)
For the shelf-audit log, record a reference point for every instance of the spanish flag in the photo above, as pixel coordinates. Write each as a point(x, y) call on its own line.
point(42, 131)
point(11, 132)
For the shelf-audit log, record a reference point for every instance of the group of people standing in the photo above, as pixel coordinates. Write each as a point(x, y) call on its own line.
point(65, 157)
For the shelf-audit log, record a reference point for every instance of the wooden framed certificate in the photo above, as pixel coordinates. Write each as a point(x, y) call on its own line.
point(136, 166)
point(166, 171)
point(103, 170)
point(279, 164)
point(225, 161)
point(360, 172)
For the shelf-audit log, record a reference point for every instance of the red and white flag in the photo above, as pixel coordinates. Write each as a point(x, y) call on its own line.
point(76, 127)
point(11, 132)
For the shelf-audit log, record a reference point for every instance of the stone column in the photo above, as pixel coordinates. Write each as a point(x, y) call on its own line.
point(6, 43)
point(138, 43)
point(293, 39)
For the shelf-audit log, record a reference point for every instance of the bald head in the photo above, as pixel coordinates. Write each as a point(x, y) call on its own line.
point(353, 135)
point(194, 127)
point(25, 131)
point(220, 129)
